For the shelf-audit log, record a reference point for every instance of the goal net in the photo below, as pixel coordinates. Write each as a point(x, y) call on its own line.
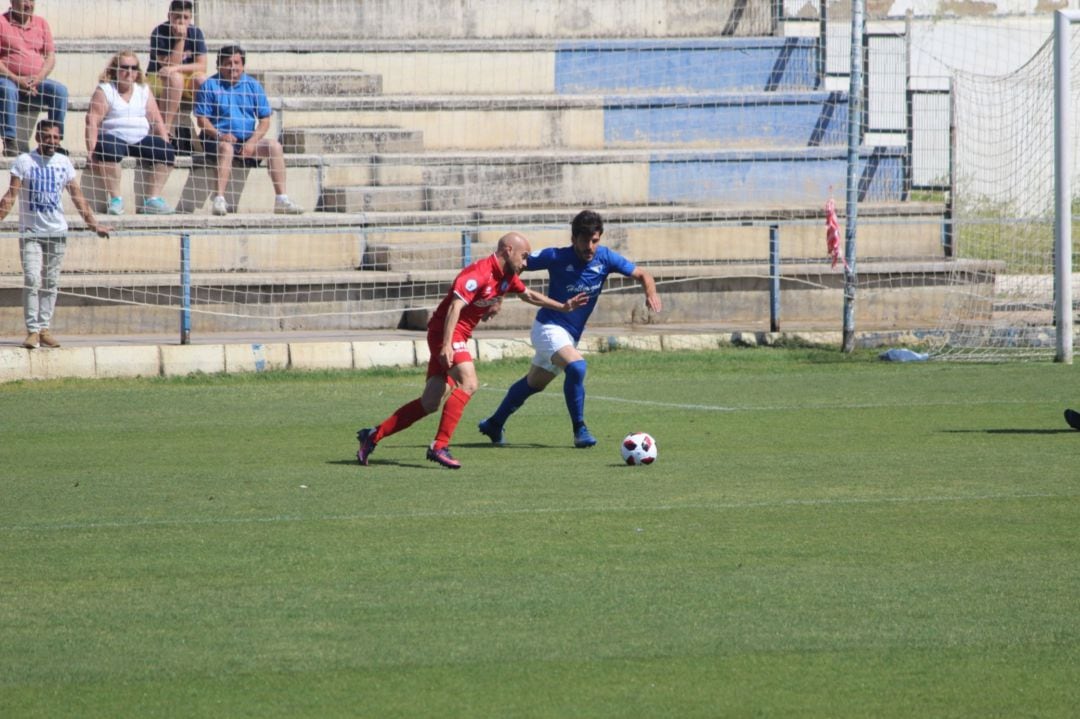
point(710, 138)
point(1002, 82)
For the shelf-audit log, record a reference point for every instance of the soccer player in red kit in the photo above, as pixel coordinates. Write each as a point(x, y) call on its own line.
point(451, 374)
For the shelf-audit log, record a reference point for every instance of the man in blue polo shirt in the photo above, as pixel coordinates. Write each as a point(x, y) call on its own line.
point(234, 116)
point(582, 267)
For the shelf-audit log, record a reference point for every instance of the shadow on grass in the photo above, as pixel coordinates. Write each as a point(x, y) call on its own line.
point(1009, 431)
point(351, 462)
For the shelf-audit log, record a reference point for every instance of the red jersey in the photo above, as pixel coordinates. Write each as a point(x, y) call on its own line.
point(479, 285)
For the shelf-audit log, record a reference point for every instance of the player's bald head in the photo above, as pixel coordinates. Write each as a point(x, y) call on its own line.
point(514, 250)
point(514, 241)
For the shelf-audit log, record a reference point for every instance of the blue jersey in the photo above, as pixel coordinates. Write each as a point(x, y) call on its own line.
point(233, 109)
point(568, 276)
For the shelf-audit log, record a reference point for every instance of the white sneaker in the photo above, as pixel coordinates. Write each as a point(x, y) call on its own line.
point(285, 206)
point(220, 207)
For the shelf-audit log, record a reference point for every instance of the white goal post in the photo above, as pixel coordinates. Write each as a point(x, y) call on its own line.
point(1063, 20)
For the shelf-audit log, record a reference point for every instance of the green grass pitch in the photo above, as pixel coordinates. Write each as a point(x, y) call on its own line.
point(822, 536)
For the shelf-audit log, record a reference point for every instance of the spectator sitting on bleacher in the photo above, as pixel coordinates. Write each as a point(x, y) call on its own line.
point(233, 112)
point(27, 56)
point(177, 66)
point(118, 124)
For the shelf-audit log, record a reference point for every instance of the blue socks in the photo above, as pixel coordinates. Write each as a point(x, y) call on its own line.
point(574, 389)
point(515, 397)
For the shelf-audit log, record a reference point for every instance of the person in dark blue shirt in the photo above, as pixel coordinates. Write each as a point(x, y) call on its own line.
point(177, 65)
point(583, 266)
point(1073, 418)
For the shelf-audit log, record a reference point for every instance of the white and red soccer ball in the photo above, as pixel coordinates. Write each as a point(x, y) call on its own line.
point(638, 448)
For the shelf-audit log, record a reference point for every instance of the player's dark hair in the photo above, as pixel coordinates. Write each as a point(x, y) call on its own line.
point(586, 224)
point(182, 6)
point(46, 124)
point(228, 51)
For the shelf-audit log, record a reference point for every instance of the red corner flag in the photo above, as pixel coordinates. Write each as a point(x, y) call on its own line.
point(832, 234)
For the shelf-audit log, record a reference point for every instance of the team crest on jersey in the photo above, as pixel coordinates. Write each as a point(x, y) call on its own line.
point(504, 285)
point(470, 285)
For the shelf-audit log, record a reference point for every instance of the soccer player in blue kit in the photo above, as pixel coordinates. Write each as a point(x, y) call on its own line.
point(582, 267)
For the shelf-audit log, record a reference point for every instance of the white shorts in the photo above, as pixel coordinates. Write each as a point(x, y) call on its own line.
point(547, 340)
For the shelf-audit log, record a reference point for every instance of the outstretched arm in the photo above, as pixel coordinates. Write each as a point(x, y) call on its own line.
point(84, 210)
point(541, 300)
point(652, 300)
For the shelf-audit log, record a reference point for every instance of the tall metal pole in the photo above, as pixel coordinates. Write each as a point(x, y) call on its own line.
point(855, 113)
point(774, 278)
point(185, 289)
point(1063, 313)
point(468, 237)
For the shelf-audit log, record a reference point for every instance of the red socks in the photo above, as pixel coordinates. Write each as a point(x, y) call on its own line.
point(402, 417)
point(405, 415)
point(451, 415)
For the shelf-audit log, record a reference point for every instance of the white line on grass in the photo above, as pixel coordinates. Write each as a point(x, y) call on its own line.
point(777, 408)
point(381, 516)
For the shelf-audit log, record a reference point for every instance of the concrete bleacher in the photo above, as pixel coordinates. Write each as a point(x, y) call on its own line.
point(387, 127)
point(527, 98)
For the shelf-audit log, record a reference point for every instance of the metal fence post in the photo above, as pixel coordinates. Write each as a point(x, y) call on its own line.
point(774, 278)
point(185, 289)
point(468, 237)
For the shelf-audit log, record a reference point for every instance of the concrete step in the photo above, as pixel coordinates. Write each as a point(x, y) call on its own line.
point(351, 139)
point(419, 241)
point(631, 176)
point(585, 122)
point(393, 198)
point(193, 187)
point(692, 62)
point(719, 120)
point(530, 178)
point(738, 294)
point(279, 83)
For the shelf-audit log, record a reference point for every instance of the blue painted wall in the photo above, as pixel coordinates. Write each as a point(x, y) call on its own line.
point(751, 178)
point(765, 133)
point(807, 119)
point(710, 65)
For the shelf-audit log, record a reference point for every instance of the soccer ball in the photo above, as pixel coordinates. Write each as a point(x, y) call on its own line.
point(638, 448)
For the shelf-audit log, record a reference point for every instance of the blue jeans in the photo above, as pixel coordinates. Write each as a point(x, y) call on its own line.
point(52, 97)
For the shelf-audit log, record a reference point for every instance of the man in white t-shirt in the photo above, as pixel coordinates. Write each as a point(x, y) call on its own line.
point(38, 179)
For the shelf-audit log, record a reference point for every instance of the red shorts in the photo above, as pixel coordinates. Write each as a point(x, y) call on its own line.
point(435, 367)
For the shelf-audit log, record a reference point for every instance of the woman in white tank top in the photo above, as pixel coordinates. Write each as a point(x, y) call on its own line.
point(124, 121)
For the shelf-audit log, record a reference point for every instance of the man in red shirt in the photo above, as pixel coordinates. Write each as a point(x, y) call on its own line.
point(451, 375)
point(27, 56)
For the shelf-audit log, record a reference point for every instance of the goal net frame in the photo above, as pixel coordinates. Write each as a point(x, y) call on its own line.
point(1063, 301)
point(659, 149)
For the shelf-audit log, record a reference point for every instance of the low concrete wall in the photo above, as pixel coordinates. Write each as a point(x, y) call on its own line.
point(107, 361)
point(892, 296)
